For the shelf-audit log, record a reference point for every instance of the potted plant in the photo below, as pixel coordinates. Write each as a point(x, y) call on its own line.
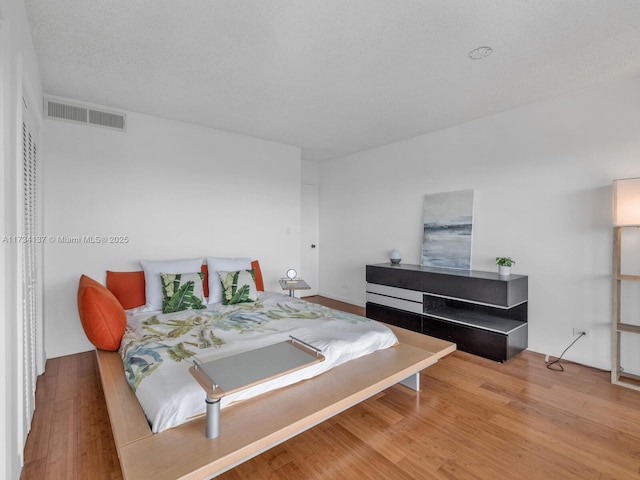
point(504, 265)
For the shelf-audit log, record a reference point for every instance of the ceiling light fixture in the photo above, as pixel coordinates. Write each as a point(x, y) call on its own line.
point(480, 53)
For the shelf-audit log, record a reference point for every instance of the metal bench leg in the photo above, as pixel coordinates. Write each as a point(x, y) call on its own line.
point(213, 417)
point(413, 382)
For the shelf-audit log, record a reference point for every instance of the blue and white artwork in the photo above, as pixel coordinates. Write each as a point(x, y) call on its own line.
point(448, 227)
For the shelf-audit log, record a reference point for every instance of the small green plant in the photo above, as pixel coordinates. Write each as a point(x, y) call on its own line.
point(504, 261)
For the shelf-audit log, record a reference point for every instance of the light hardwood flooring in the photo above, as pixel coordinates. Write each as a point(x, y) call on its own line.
point(473, 419)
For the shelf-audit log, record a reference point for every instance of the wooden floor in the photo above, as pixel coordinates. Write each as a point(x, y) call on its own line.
point(474, 419)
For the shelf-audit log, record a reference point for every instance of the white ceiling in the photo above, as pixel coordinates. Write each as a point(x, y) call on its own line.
point(330, 76)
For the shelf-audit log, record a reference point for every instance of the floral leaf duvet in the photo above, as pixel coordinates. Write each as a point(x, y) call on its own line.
point(158, 349)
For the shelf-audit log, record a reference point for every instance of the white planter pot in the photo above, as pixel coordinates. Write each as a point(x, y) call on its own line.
point(503, 271)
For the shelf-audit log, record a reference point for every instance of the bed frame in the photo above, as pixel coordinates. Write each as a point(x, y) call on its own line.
point(253, 426)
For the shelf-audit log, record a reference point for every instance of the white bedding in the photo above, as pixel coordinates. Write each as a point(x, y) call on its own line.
point(157, 349)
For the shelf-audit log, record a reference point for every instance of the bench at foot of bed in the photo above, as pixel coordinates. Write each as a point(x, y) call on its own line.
point(253, 426)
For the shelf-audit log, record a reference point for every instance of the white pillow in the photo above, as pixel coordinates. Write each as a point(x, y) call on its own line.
point(214, 265)
point(153, 285)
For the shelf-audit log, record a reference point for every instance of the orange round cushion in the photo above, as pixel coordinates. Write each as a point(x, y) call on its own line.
point(103, 318)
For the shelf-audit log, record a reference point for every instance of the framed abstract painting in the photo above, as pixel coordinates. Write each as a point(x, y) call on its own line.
point(448, 229)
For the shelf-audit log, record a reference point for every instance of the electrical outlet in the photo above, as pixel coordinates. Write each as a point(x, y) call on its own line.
point(581, 331)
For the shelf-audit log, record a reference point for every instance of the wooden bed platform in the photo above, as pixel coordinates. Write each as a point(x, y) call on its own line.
point(253, 426)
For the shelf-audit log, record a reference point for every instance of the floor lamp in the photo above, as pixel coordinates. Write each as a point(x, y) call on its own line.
point(626, 213)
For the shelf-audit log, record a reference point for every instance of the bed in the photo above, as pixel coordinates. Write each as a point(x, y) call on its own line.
point(158, 348)
point(258, 418)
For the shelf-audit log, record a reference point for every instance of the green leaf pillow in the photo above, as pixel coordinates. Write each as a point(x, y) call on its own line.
point(181, 291)
point(238, 287)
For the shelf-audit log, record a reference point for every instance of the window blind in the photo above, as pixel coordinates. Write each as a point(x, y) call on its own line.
point(29, 272)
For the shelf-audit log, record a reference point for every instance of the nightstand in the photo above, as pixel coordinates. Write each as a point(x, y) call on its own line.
point(296, 284)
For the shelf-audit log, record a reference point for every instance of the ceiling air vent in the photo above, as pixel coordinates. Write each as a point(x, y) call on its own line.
point(78, 113)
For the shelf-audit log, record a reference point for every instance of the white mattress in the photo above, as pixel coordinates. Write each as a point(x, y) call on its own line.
point(157, 348)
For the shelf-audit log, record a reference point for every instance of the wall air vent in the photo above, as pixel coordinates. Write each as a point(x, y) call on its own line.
point(78, 113)
point(66, 112)
point(106, 119)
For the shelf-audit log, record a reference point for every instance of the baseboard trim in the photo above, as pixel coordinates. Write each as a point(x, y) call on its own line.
point(342, 299)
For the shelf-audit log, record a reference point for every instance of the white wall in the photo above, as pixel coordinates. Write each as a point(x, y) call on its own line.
point(542, 178)
point(175, 190)
point(19, 76)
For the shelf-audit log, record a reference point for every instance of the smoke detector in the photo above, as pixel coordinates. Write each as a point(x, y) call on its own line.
point(480, 53)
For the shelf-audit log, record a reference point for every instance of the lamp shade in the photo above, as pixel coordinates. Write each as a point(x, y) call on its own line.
point(626, 202)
